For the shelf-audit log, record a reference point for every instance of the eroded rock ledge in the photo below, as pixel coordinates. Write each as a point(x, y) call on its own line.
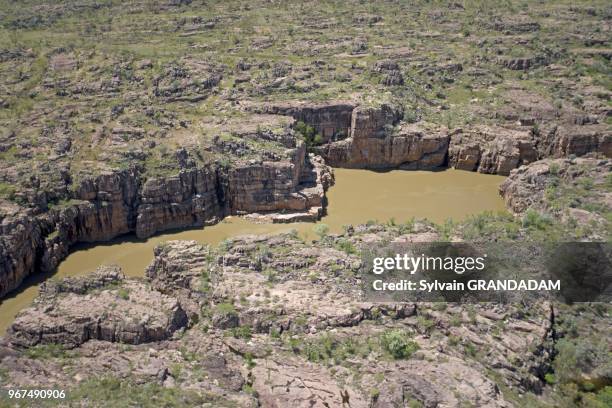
point(534, 186)
point(104, 306)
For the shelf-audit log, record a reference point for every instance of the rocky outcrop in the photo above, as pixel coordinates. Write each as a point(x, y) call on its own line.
point(19, 249)
point(278, 186)
point(103, 208)
point(194, 197)
point(527, 186)
point(378, 138)
point(493, 150)
point(331, 120)
point(523, 63)
point(286, 319)
point(104, 307)
point(408, 147)
point(359, 136)
point(103, 276)
point(563, 141)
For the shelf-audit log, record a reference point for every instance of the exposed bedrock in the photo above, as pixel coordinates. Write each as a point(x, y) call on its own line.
point(488, 149)
point(117, 311)
point(527, 186)
point(357, 136)
point(194, 197)
point(121, 202)
point(379, 140)
point(578, 140)
point(331, 120)
point(315, 297)
point(354, 136)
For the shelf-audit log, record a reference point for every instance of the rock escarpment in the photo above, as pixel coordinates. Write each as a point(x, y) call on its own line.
point(289, 182)
point(30, 240)
point(578, 140)
point(379, 138)
point(120, 202)
point(331, 120)
point(359, 136)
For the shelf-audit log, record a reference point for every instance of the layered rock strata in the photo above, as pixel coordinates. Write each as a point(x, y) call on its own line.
point(493, 150)
point(116, 203)
point(331, 120)
point(378, 140)
point(284, 190)
point(377, 137)
point(116, 310)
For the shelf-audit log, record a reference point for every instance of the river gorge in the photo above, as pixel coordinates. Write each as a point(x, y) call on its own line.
point(358, 196)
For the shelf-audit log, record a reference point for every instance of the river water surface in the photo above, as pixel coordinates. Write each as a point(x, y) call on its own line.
point(357, 197)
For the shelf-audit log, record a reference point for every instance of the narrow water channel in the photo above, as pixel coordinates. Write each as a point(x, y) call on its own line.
point(357, 197)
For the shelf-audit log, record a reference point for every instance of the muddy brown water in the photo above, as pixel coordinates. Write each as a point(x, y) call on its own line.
point(357, 197)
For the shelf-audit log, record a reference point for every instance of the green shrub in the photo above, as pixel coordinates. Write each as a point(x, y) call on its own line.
point(204, 281)
point(425, 324)
point(123, 293)
point(565, 364)
point(604, 396)
point(308, 133)
point(226, 309)
point(7, 191)
point(554, 169)
point(242, 332)
point(114, 392)
point(470, 349)
point(398, 344)
point(587, 183)
point(321, 230)
point(407, 227)
point(46, 351)
point(533, 219)
point(346, 246)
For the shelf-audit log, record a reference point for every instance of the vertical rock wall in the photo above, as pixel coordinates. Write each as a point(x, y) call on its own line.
point(121, 202)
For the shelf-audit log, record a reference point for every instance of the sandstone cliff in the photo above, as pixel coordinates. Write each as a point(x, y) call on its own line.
point(120, 202)
point(376, 137)
point(493, 150)
point(378, 140)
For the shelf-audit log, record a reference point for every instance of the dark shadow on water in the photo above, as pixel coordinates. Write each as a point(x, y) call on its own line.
point(35, 279)
point(38, 277)
point(388, 170)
